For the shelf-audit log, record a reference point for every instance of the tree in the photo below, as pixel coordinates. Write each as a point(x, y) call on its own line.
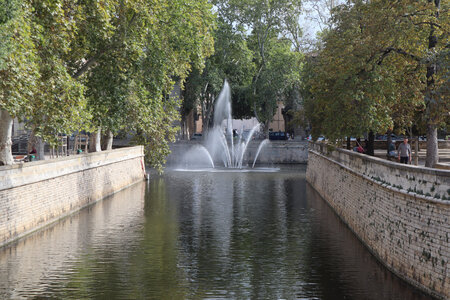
point(36, 86)
point(18, 70)
point(59, 103)
point(277, 80)
point(372, 69)
point(435, 103)
point(232, 60)
point(151, 43)
point(258, 26)
point(100, 58)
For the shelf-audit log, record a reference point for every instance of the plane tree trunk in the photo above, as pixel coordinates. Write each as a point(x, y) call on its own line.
point(107, 140)
point(388, 141)
point(36, 143)
point(432, 156)
point(95, 139)
point(6, 123)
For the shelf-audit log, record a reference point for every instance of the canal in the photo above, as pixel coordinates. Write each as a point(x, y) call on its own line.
point(201, 235)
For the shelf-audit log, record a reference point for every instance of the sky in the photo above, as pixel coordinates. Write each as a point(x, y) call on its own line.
point(310, 20)
point(315, 14)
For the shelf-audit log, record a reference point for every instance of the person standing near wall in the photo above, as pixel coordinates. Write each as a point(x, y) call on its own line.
point(391, 150)
point(404, 152)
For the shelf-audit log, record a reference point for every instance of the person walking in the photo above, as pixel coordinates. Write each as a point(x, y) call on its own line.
point(404, 152)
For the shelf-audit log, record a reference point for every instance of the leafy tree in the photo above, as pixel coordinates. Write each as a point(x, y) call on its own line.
point(232, 60)
point(101, 58)
point(45, 95)
point(277, 80)
point(268, 22)
point(18, 70)
point(374, 69)
point(152, 42)
point(247, 33)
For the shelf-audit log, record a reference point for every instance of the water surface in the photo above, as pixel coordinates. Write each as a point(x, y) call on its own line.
point(201, 235)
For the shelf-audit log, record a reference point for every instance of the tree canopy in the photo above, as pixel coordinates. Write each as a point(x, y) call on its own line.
point(381, 65)
point(232, 60)
point(111, 65)
point(257, 44)
point(72, 65)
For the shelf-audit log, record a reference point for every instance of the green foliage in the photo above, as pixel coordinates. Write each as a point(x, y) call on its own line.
point(35, 84)
point(232, 60)
point(255, 44)
point(58, 104)
point(18, 61)
point(371, 72)
point(145, 46)
point(280, 75)
point(8, 17)
point(152, 118)
point(268, 21)
point(71, 65)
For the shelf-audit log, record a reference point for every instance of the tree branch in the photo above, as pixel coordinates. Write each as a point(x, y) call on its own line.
point(87, 65)
point(91, 61)
point(399, 51)
point(428, 23)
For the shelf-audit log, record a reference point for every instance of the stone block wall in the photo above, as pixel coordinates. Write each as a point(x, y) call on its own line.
point(279, 152)
point(35, 194)
point(406, 231)
point(274, 152)
point(413, 179)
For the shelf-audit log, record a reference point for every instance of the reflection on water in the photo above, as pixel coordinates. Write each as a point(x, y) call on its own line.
point(197, 235)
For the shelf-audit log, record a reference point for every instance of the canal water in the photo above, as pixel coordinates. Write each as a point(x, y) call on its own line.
point(201, 235)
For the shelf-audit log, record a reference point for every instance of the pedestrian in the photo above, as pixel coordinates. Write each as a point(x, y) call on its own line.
point(358, 147)
point(404, 152)
point(392, 152)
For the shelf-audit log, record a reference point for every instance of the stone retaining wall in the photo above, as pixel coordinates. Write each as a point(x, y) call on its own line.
point(407, 231)
point(274, 152)
point(35, 194)
point(279, 152)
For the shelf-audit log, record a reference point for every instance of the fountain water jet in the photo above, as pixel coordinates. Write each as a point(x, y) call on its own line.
point(197, 156)
point(219, 142)
point(263, 143)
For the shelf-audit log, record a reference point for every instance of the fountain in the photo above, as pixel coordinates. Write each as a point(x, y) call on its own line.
point(219, 144)
point(263, 143)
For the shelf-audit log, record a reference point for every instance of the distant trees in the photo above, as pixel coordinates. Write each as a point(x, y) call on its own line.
point(98, 65)
point(232, 60)
point(257, 51)
point(382, 64)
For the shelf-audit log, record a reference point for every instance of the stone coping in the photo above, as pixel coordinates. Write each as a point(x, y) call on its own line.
point(377, 160)
point(31, 172)
point(418, 180)
point(384, 185)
